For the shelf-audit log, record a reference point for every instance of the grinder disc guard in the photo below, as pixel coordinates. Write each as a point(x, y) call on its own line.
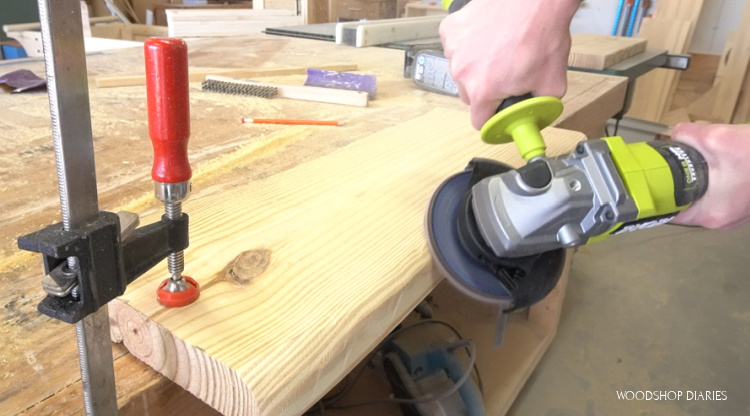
point(468, 264)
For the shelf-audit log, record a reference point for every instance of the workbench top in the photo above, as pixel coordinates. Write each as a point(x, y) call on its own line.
point(38, 356)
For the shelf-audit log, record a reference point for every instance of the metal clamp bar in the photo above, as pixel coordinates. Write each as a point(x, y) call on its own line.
point(67, 84)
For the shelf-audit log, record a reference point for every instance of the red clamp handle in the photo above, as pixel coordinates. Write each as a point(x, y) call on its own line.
point(168, 108)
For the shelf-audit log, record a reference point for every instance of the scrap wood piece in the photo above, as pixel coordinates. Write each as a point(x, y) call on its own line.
point(305, 271)
point(599, 52)
point(200, 75)
point(654, 91)
point(722, 100)
point(676, 117)
point(671, 28)
point(703, 107)
point(229, 22)
point(300, 92)
point(741, 113)
point(379, 32)
point(339, 28)
point(679, 9)
point(724, 60)
point(127, 31)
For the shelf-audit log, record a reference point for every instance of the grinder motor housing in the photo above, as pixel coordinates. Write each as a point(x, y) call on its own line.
point(605, 187)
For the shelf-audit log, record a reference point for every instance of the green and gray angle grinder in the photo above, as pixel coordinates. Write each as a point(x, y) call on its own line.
point(499, 234)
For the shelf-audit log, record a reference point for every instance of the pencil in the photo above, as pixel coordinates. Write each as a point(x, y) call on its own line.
point(291, 121)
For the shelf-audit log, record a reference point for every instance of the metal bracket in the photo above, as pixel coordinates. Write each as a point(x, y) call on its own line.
point(634, 67)
point(678, 62)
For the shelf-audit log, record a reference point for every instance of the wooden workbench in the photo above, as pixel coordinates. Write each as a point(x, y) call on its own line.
point(39, 370)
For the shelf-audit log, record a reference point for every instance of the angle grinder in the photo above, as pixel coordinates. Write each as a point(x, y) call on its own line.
point(499, 234)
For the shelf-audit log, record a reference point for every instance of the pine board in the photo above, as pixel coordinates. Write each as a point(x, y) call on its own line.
point(599, 52)
point(39, 355)
point(316, 262)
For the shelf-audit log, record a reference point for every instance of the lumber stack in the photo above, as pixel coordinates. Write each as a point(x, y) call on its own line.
point(671, 28)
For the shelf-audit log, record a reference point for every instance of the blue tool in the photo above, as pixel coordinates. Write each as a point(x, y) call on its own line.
point(632, 17)
point(423, 365)
point(616, 27)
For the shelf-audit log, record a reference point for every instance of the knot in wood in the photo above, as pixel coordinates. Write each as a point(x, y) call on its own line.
point(248, 265)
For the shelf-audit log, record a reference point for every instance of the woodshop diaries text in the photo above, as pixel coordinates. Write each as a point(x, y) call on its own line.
point(672, 395)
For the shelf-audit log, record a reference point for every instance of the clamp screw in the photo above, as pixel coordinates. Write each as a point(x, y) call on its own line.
point(169, 128)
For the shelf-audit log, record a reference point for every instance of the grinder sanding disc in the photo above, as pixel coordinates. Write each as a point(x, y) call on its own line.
point(470, 273)
point(462, 270)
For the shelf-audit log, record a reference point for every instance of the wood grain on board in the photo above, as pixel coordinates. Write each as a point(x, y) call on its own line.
point(317, 262)
point(40, 369)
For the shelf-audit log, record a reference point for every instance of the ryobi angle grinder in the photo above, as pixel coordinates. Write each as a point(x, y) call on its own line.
point(500, 234)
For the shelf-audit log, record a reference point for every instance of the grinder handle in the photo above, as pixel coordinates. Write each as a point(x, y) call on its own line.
point(521, 119)
point(512, 101)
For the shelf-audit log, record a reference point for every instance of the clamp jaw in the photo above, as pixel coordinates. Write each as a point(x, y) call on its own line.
point(107, 261)
point(108, 252)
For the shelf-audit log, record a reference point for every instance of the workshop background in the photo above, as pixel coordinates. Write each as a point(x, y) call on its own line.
point(662, 309)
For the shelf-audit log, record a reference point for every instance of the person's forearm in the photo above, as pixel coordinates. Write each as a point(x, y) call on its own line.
point(566, 9)
point(726, 149)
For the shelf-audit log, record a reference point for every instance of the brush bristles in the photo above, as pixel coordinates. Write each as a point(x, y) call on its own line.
point(233, 88)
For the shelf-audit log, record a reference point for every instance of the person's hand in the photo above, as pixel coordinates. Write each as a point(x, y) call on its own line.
point(726, 148)
point(503, 48)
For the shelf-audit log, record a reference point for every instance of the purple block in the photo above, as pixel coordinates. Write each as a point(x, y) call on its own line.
point(341, 80)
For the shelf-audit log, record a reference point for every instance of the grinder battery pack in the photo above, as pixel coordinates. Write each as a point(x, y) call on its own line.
point(499, 234)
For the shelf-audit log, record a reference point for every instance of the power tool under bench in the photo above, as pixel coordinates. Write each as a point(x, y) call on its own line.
point(499, 234)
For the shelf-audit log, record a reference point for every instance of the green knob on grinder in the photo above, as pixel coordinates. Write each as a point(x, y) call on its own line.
point(522, 122)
